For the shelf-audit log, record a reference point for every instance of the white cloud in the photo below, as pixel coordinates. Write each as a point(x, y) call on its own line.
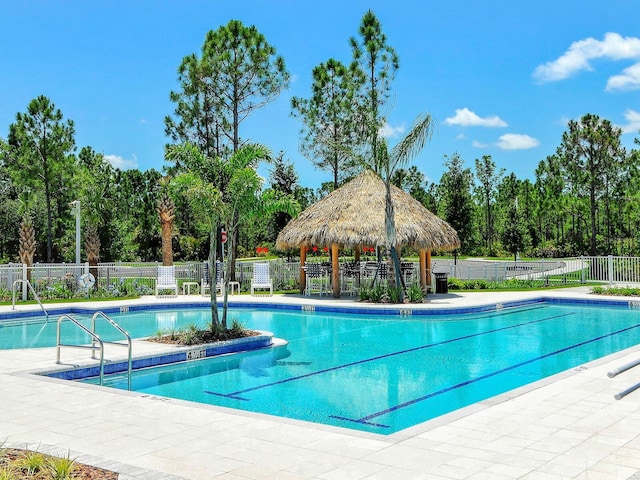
point(515, 141)
point(477, 144)
point(467, 118)
point(122, 163)
point(577, 57)
point(143, 121)
point(460, 136)
point(387, 131)
point(633, 119)
point(628, 80)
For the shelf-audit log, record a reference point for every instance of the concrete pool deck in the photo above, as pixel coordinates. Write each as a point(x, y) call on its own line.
point(568, 426)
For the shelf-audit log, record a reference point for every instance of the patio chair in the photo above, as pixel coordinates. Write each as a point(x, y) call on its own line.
point(166, 280)
point(261, 278)
point(350, 278)
point(317, 279)
point(408, 272)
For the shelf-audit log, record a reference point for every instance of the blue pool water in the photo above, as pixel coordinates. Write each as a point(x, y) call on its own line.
point(383, 374)
point(36, 332)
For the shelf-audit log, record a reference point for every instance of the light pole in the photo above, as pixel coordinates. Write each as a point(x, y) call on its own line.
point(76, 209)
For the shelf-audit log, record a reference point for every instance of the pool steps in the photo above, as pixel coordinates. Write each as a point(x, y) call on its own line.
point(181, 354)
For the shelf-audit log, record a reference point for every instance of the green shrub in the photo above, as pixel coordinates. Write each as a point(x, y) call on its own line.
point(364, 293)
point(237, 328)
point(7, 473)
point(621, 291)
point(61, 468)
point(32, 463)
point(378, 293)
point(415, 293)
point(394, 294)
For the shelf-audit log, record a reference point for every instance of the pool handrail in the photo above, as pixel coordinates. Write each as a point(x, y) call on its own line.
point(101, 314)
point(35, 295)
point(91, 347)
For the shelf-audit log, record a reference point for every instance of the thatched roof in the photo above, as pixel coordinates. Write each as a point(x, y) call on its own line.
point(354, 215)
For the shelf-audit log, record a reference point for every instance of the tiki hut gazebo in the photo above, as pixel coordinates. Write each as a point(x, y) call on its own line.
point(354, 215)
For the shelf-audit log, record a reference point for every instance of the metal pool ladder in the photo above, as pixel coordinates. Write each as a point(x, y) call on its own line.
point(33, 292)
point(96, 342)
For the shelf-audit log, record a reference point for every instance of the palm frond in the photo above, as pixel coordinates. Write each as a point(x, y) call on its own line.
point(412, 143)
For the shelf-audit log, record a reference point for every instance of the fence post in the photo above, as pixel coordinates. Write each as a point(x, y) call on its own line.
point(582, 280)
point(24, 284)
point(610, 273)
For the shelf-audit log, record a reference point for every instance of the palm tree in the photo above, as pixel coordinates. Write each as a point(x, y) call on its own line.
point(27, 242)
point(92, 248)
point(387, 164)
point(166, 211)
point(27, 247)
point(95, 181)
point(241, 199)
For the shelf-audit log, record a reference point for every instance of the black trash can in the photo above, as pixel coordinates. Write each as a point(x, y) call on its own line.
point(442, 283)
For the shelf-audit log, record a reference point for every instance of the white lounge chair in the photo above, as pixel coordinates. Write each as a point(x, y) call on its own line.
point(261, 278)
point(166, 280)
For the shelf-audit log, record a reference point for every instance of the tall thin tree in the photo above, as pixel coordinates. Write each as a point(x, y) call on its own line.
point(488, 177)
point(239, 72)
point(376, 64)
point(456, 200)
point(594, 162)
point(41, 144)
point(329, 119)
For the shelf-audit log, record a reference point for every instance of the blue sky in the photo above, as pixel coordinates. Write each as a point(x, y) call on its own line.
point(500, 78)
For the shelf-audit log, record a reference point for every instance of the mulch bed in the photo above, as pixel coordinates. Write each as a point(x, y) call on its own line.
point(204, 337)
point(9, 457)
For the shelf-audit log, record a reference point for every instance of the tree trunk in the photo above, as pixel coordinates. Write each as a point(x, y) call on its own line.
point(92, 249)
point(390, 227)
point(167, 247)
point(47, 193)
point(27, 243)
point(213, 244)
point(592, 201)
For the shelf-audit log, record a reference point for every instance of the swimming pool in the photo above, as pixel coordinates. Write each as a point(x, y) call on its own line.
point(382, 374)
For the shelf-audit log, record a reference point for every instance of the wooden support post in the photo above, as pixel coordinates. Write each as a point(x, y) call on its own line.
point(303, 274)
point(335, 270)
point(423, 268)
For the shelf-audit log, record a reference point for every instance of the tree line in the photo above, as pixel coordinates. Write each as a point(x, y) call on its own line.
point(584, 199)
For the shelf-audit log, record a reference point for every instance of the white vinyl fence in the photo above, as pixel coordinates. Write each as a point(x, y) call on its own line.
point(122, 278)
point(577, 270)
point(126, 278)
